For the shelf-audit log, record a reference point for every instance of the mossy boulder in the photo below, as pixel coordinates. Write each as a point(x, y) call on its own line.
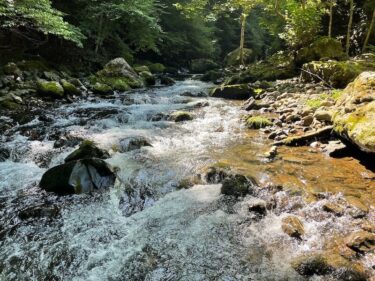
point(322, 48)
point(12, 69)
point(101, 89)
point(233, 92)
point(148, 78)
point(141, 68)
point(69, 88)
point(157, 68)
point(233, 58)
point(76, 177)
point(87, 150)
point(257, 122)
point(180, 116)
point(118, 75)
point(354, 118)
point(202, 65)
point(338, 73)
point(278, 66)
point(50, 88)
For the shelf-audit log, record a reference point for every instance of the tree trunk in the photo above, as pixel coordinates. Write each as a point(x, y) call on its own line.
point(351, 12)
point(330, 19)
point(369, 32)
point(242, 41)
point(100, 31)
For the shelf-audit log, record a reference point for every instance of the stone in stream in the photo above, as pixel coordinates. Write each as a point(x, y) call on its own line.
point(292, 226)
point(329, 263)
point(50, 88)
point(76, 177)
point(323, 115)
point(237, 186)
point(40, 211)
point(133, 143)
point(180, 116)
point(334, 208)
point(259, 208)
point(233, 92)
point(361, 241)
point(357, 208)
point(87, 150)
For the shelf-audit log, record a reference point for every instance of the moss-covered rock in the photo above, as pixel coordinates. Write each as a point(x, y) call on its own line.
point(338, 73)
point(180, 116)
point(157, 68)
point(118, 75)
point(233, 58)
point(101, 89)
point(50, 88)
point(322, 48)
point(87, 150)
point(12, 69)
point(69, 88)
point(234, 92)
point(202, 65)
point(277, 66)
point(78, 177)
point(354, 119)
point(257, 122)
point(148, 78)
point(141, 68)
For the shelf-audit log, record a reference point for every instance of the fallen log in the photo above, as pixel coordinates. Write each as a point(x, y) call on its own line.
point(309, 137)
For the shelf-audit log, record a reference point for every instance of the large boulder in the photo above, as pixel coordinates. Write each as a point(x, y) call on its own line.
point(233, 58)
point(118, 75)
point(76, 177)
point(338, 73)
point(202, 65)
point(233, 92)
point(322, 48)
point(277, 66)
point(354, 119)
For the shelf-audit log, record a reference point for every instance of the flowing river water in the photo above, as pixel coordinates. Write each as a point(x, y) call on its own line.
point(145, 228)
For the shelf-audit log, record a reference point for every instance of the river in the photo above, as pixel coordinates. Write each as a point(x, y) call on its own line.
point(145, 228)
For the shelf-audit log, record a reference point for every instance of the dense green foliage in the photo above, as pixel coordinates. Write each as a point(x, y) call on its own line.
point(177, 32)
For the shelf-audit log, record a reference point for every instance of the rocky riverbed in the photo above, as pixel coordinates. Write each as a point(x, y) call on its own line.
point(201, 192)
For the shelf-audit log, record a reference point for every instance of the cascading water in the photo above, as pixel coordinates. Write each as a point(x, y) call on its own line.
point(144, 228)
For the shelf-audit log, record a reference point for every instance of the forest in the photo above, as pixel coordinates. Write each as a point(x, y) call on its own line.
point(193, 140)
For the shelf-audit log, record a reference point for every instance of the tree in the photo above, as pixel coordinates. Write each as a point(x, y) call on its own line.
point(25, 18)
point(350, 23)
point(369, 31)
point(331, 4)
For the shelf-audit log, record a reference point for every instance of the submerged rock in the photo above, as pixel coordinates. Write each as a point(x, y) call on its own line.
point(327, 263)
point(292, 226)
point(133, 143)
point(361, 241)
point(87, 150)
point(76, 177)
point(236, 185)
point(180, 116)
point(234, 92)
point(354, 119)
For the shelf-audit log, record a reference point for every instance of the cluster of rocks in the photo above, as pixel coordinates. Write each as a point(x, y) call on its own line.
point(28, 83)
point(339, 258)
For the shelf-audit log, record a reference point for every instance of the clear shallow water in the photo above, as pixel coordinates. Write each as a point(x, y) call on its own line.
point(144, 229)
